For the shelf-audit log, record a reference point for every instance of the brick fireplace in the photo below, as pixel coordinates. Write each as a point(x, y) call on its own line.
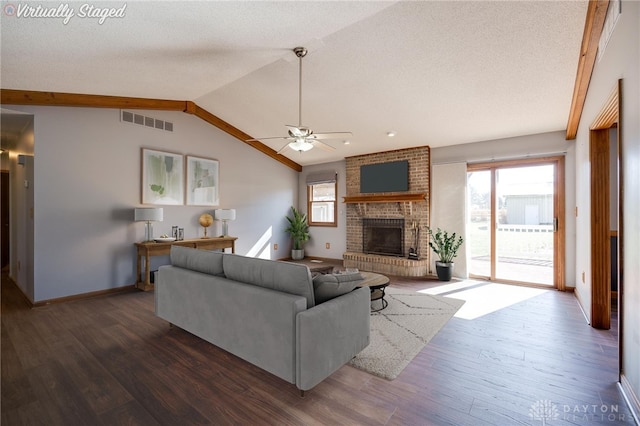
point(384, 228)
point(383, 236)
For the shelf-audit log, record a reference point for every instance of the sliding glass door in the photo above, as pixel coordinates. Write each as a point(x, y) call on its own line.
point(514, 209)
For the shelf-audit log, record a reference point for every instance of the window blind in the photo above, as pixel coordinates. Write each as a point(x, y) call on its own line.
point(328, 176)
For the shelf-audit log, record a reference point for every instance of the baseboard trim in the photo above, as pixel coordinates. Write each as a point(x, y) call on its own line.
point(83, 296)
point(580, 305)
point(632, 399)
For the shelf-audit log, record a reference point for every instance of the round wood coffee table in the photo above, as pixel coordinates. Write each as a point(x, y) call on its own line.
point(376, 283)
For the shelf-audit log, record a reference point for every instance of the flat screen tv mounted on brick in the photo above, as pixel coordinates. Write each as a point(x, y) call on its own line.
point(384, 177)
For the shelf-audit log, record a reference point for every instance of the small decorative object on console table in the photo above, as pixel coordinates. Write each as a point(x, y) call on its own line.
point(205, 221)
point(225, 215)
point(148, 214)
point(148, 250)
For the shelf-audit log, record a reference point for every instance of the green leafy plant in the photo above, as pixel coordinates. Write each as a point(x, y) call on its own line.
point(298, 228)
point(444, 245)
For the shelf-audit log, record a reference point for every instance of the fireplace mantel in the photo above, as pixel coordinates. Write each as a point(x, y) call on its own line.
point(393, 198)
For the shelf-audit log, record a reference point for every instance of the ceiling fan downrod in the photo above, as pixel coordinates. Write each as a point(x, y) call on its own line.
point(300, 52)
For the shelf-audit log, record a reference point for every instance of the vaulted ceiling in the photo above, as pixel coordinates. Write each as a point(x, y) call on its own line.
point(436, 73)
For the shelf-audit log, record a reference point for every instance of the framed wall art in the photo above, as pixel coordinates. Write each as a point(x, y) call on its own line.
point(162, 177)
point(203, 184)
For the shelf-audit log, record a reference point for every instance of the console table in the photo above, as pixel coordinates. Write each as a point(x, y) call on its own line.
point(147, 250)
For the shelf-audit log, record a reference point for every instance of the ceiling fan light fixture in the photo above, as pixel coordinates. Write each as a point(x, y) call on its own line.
point(300, 145)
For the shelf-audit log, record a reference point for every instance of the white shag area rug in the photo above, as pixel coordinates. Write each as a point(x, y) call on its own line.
point(402, 329)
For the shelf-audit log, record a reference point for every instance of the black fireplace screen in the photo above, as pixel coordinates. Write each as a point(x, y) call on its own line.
point(383, 236)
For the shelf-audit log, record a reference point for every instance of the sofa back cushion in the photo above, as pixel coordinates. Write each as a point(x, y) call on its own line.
point(281, 276)
point(208, 262)
point(328, 286)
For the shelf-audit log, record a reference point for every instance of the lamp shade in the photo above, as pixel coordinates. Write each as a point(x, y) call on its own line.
point(148, 214)
point(225, 214)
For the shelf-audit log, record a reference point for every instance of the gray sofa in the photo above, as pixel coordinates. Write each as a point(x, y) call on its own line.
point(264, 312)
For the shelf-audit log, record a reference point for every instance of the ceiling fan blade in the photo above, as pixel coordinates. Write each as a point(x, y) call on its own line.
point(264, 139)
point(283, 148)
point(331, 135)
point(323, 146)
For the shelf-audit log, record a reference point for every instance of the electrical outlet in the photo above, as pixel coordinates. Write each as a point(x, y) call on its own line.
point(583, 280)
point(327, 246)
point(275, 247)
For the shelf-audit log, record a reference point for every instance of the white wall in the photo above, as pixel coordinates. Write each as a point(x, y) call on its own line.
point(320, 235)
point(449, 209)
point(87, 183)
point(543, 144)
point(621, 60)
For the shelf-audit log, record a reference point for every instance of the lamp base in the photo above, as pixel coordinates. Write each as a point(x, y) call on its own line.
point(148, 233)
point(205, 233)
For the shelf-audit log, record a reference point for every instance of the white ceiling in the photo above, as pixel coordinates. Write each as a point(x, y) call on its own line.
point(437, 73)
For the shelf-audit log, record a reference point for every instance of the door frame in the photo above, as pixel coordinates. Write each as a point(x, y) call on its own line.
point(559, 275)
point(599, 158)
point(5, 232)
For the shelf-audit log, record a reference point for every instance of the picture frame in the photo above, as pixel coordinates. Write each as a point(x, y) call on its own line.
point(203, 181)
point(162, 181)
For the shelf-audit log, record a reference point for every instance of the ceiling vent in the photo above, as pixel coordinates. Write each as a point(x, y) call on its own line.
point(142, 120)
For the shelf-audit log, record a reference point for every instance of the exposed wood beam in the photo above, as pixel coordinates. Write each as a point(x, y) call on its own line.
point(205, 115)
point(29, 97)
point(596, 14)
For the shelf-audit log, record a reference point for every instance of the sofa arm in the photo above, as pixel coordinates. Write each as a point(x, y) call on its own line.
point(329, 335)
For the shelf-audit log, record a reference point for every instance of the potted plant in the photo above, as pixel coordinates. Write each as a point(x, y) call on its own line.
point(446, 247)
point(299, 231)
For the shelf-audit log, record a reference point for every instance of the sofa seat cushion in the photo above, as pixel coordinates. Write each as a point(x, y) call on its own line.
point(208, 262)
point(329, 286)
point(281, 276)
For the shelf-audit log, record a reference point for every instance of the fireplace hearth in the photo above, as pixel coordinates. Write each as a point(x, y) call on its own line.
point(383, 236)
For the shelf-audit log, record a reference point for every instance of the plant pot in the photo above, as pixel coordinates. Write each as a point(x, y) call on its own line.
point(444, 271)
point(297, 254)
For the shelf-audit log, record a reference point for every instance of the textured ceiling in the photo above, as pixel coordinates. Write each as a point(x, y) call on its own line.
point(437, 73)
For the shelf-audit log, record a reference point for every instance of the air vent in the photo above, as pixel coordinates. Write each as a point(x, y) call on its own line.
point(613, 13)
point(142, 120)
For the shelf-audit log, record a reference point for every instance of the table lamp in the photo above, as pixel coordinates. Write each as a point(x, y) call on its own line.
point(225, 215)
point(148, 214)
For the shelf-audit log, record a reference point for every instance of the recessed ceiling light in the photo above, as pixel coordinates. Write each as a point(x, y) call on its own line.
point(391, 133)
point(346, 142)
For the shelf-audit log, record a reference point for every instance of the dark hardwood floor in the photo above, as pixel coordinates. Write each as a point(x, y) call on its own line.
point(109, 360)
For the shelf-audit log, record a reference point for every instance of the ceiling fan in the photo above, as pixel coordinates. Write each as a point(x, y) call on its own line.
point(302, 138)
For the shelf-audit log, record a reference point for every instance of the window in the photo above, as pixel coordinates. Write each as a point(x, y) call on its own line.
point(322, 189)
